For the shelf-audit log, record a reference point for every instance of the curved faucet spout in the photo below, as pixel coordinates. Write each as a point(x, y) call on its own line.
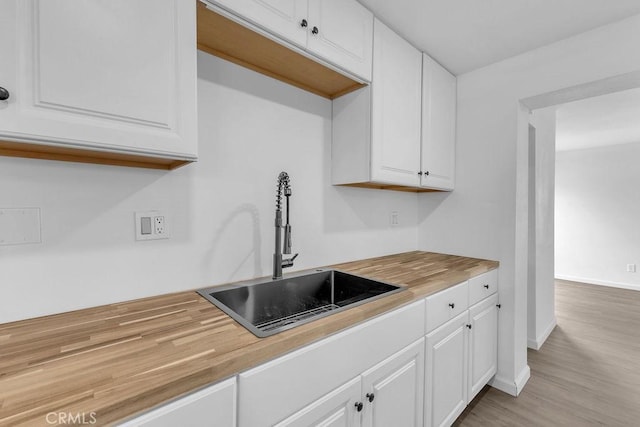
point(284, 186)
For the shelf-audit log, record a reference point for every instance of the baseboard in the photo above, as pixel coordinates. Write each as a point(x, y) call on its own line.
point(540, 339)
point(509, 386)
point(598, 282)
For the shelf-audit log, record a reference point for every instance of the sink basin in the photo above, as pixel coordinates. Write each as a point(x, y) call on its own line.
point(266, 307)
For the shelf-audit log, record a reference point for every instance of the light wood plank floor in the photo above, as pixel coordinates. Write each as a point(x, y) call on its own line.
point(586, 374)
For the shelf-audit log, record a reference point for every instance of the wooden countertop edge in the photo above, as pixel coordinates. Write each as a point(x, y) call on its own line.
point(201, 372)
point(294, 339)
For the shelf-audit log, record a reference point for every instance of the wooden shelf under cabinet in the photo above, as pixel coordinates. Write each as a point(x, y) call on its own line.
point(389, 187)
point(78, 155)
point(227, 39)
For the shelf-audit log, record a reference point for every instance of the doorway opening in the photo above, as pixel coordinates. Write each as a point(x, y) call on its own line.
point(575, 233)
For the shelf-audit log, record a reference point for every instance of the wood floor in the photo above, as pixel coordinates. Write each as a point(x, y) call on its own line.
point(586, 374)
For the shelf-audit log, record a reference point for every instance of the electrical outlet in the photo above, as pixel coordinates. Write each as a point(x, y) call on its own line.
point(151, 225)
point(631, 268)
point(20, 226)
point(394, 219)
point(158, 225)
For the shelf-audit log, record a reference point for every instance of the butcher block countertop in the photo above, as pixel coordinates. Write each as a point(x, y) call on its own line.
point(120, 359)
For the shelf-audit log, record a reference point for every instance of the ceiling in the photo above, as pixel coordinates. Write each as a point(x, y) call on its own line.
point(463, 35)
point(599, 121)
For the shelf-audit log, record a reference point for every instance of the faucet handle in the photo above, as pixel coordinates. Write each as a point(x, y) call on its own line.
point(289, 262)
point(286, 249)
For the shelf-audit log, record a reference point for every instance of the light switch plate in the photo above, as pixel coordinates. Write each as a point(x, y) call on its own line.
point(20, 226)
point(152, 225)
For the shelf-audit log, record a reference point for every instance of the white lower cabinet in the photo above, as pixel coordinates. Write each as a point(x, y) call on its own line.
point(336, 409)
point(388, 394)
point(393, 390)
point(446, 372)
point(285, 388)
point(213, 406)
point(461, 354)
point(483, 344)
point(384, 372)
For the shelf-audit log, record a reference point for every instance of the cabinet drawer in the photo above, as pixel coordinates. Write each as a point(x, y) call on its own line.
point(214, 404)
point(446, 305)
point(483, 286)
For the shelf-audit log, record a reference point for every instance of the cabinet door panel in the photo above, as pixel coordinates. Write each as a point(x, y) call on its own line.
point(281, 17)
point(345, 34)
point(446, 372)
point(397, 386)
point(84, 65)
point(121, 78)
point(438, 126)
point(396, 97)
point(336, 409)
point(483, 344)
point(214, 405)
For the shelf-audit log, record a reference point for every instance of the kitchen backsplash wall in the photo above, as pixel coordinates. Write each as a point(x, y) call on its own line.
point(220, 209)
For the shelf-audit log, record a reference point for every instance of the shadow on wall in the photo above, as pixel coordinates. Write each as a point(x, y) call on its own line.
point(237, 78)
point(226, 227)
point(430, 202)
point(360, 209)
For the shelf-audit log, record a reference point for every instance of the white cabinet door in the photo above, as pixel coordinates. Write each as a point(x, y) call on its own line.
point(281, 17)
point(446, 372)
point(438, 126)
point(341, 31)
point(336, 409)
point(112, 75)
point(211, 406)
point(393, 390)
point(483, 344)
point(396, 105)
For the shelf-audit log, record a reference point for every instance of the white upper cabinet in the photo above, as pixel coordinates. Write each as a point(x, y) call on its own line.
point(339, 32)
point(105, 75)
point(376, 130)
point(438, 126)
point(342, 32)
point(399, 133)
point(282, 17)
point(395, 136)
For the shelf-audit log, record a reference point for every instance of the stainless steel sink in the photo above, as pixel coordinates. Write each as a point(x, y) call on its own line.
point(266, 307)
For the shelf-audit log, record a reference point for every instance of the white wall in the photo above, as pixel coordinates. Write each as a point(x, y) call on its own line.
point(486, 216)
point(597, 212)
point(541, 290)
point(251, 128)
